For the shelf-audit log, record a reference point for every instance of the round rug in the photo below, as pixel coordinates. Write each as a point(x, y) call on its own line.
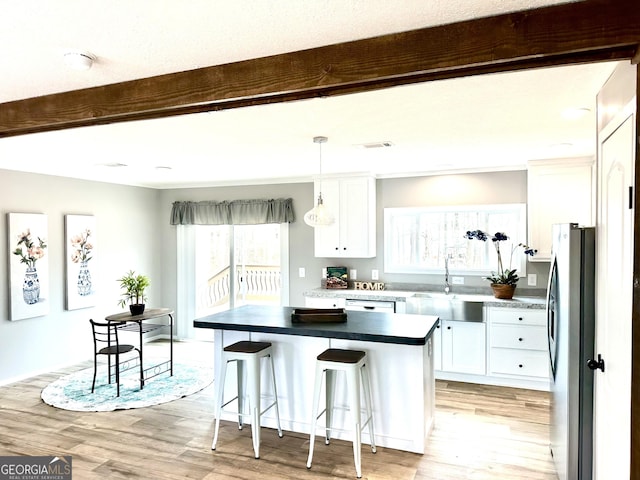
point(73, 391)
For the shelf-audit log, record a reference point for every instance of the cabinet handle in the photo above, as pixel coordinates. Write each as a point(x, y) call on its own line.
point(520, 365)
point(449, 328)
point(520, 318)
point(520, 339)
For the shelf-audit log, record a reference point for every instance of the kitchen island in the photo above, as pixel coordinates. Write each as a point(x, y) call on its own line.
point(400, 354)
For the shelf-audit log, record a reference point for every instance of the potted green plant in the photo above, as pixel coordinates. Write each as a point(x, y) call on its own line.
point(134, 287)
point(504, 280)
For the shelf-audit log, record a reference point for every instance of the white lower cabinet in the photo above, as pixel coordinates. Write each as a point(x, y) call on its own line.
point(509, 348)
point(526, 363)
point(463, 347)
point(518, 346)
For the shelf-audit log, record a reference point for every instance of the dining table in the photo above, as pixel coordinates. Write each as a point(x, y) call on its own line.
point(141, 324)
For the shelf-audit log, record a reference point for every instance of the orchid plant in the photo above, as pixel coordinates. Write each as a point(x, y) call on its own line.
point(504, 276)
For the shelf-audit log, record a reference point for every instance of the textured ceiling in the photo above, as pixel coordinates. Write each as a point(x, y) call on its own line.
point(489, 122)
point(143, 38)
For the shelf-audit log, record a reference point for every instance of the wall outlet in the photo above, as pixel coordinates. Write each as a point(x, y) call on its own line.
point(532, 279)
point(457, 280)
point(353, 274)
point(301, 272)
point(374, 274)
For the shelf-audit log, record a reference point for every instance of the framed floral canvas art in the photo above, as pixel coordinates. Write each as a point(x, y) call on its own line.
point(80, 260)
point(28, 265)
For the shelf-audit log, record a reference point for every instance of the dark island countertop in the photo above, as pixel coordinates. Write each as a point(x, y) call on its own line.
point(380, 327)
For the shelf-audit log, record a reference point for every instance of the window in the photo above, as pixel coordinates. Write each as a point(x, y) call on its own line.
point(417, 240)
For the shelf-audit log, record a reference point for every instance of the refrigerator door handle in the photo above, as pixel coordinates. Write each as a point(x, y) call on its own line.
point(596, 364)
point(551, 320)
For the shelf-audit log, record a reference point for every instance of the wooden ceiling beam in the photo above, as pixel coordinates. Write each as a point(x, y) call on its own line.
point(579, 32)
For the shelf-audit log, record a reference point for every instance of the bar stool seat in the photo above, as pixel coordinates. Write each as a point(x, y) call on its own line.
point(353, 363)
point(248, 356)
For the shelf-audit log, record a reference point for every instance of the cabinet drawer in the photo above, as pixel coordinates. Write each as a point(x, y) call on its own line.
point(528, 337)
point(527, 316)
point(370, 305)
point(530, 363)
point(324, 302)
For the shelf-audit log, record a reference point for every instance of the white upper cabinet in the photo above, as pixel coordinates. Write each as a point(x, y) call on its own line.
point(352, 200)
point(559, 191)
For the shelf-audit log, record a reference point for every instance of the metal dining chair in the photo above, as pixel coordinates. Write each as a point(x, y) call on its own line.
point(106, 342)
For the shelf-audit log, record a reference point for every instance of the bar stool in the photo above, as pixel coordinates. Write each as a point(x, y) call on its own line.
point(353, 363)
point(247, 355)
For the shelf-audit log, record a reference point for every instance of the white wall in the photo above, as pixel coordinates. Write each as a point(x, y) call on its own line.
point(127, 236)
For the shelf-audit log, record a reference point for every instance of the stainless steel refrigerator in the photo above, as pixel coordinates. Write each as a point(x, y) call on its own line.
point(571, 334)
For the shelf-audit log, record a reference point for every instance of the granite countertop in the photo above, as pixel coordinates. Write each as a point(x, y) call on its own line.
point(379, 327)
point(403, 295)
point(390, 295)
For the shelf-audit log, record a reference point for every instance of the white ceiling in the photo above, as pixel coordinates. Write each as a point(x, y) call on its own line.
point(490, 122)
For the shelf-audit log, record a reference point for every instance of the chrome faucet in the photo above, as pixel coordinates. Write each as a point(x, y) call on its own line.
point(447, 287)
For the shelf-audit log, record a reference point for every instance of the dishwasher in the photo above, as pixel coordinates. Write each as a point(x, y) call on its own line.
point(371, 306)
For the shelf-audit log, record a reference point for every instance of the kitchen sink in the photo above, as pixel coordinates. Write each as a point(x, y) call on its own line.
point(434, 295)
point(447, 296)
point(446, 306)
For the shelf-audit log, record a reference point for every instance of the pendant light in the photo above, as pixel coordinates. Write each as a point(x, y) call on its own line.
point(319, 216)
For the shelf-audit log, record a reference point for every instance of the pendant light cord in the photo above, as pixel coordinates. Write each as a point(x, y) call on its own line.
point(320, 180)
point(320, 141)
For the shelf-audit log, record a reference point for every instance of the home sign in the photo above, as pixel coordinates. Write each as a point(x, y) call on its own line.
point(368, 285)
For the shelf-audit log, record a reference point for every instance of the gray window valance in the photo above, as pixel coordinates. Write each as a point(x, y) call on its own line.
point(236, 212)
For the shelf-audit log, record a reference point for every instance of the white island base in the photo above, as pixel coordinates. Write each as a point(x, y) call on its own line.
point(402, 384)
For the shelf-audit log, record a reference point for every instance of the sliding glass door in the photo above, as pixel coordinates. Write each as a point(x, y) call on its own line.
point(225, 266)
point(257, 262)
point(236, 265)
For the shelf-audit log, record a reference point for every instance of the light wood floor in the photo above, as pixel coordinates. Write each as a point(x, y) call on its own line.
point(480, 433)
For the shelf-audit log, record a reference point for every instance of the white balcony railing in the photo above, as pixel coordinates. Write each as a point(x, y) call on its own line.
point(254, 283)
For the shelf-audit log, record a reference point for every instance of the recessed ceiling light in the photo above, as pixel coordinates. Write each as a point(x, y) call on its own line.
point(163, 167)
point(112, 165)
point(376, 144)
point(79, 60)
point(575, 113)
point(560, 146)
